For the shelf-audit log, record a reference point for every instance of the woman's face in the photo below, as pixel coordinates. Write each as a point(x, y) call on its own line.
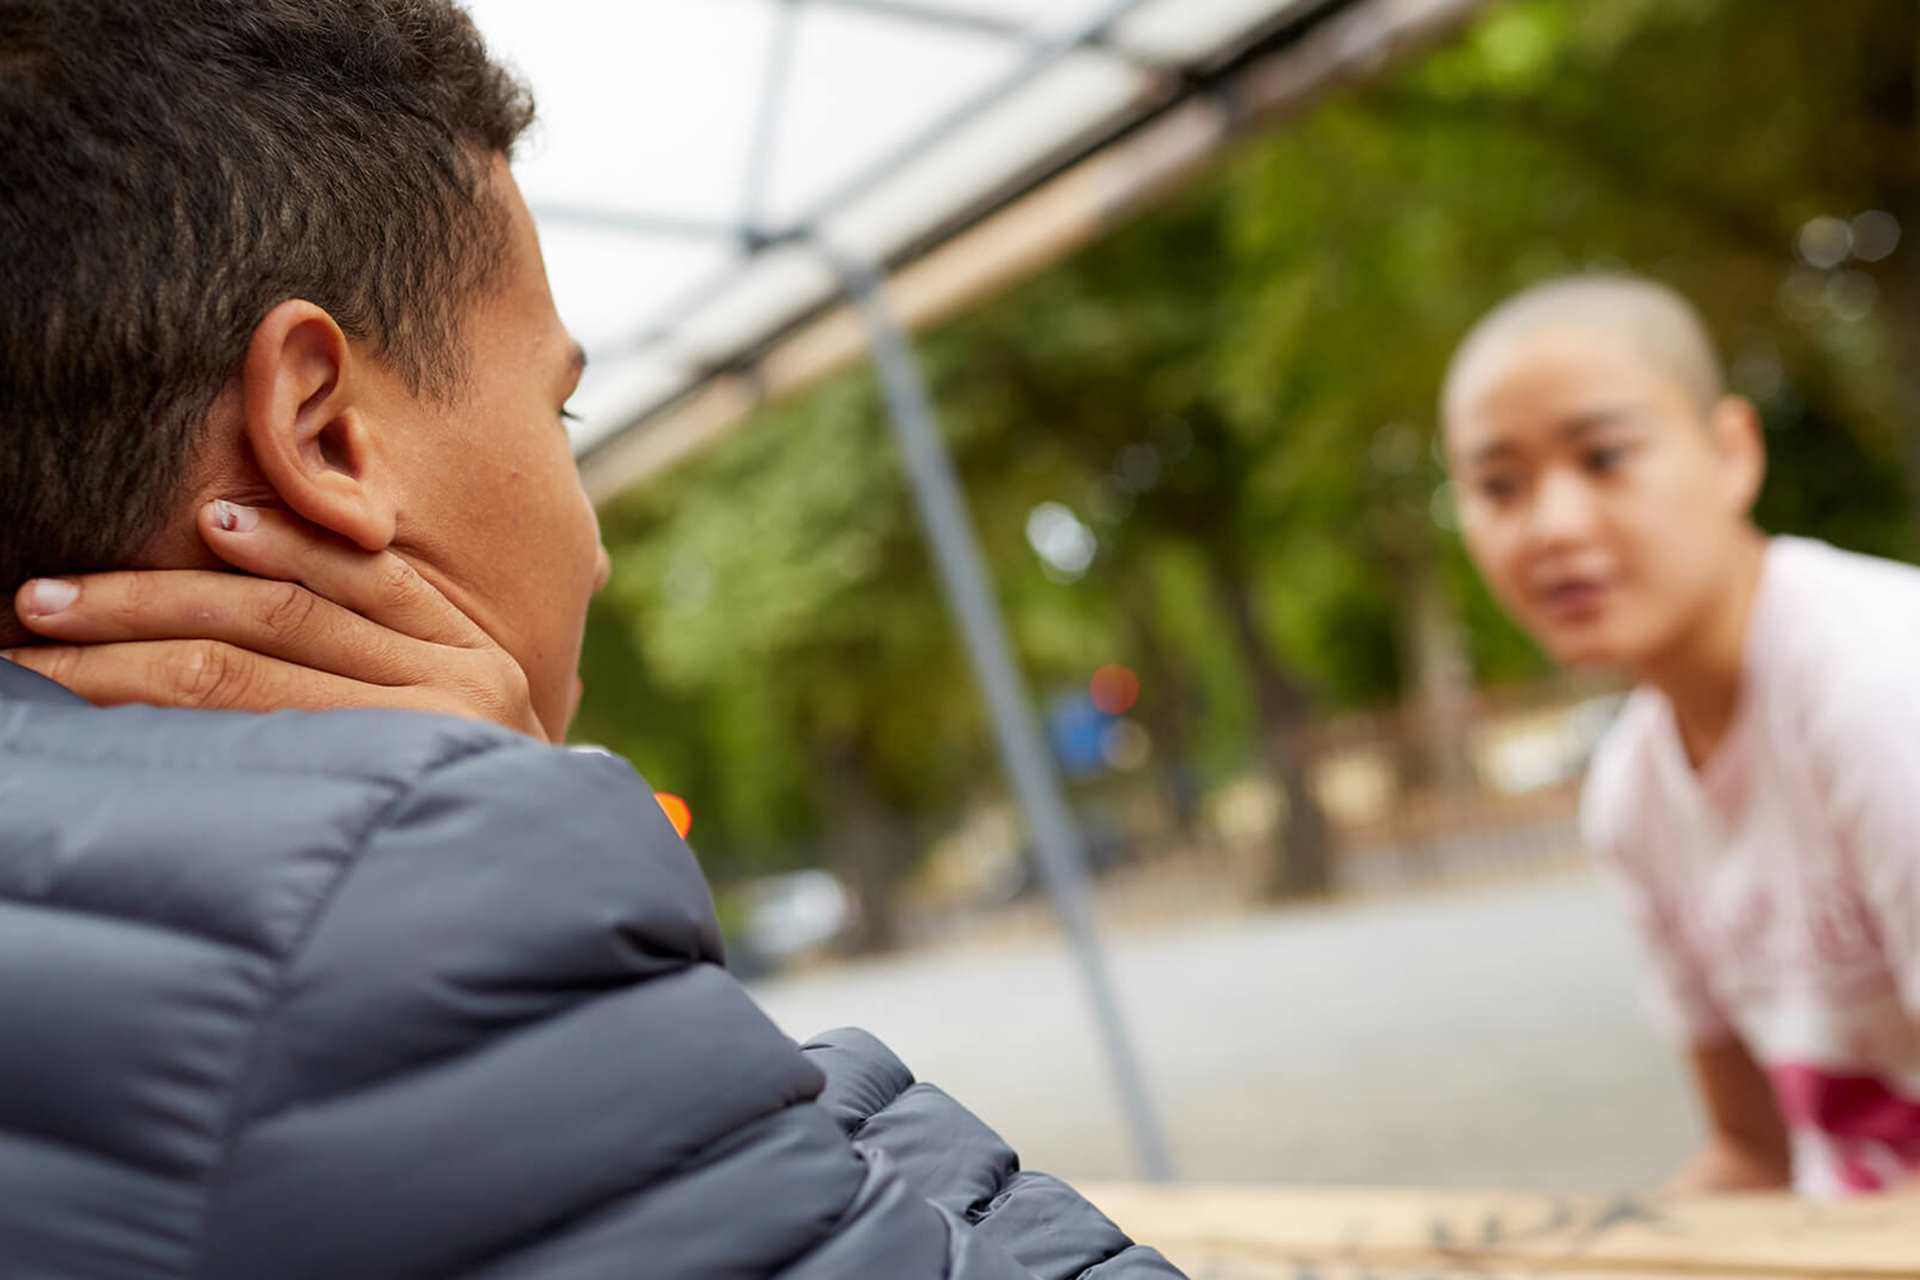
point(1593, 494)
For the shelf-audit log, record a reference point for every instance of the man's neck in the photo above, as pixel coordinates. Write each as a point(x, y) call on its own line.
point(1702, 676)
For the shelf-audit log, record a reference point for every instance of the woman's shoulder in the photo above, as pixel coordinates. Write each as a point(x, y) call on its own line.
point(1834, 645)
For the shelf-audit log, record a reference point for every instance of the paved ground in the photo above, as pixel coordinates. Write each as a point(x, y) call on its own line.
point(1463, 1038)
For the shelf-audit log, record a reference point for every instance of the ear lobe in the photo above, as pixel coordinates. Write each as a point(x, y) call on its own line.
point(308, 430)
point(1741, 441)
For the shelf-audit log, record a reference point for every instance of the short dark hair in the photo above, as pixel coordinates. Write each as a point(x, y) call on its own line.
point(172, 170)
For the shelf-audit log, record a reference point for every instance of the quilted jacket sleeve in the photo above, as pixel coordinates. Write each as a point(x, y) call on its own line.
point(504, 1048)
point(945, 1153)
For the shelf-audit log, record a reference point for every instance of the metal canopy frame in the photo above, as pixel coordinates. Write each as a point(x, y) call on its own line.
point(751, 231)
point(1168, 86)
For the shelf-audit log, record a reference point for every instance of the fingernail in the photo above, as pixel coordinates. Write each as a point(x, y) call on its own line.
point(235, 518)
point(50, 595)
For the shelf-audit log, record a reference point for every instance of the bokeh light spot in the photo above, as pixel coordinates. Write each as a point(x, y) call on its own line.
point(1114, 689)
point(1876, 234)
point(1825, 242)
point(1126, 746)
point(1065, 545)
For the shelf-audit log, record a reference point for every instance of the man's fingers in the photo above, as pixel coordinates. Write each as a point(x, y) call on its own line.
point(207, 675)
point(377, 585)
point(278, 619)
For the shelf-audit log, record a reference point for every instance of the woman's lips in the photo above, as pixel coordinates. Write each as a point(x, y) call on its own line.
point(1573, 599)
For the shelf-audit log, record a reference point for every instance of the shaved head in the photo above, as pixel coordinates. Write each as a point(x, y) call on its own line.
point(1603, 477)
point(1657, 323)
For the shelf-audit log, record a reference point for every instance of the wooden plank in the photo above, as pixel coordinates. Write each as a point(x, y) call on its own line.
point(1252, 1233)
point(1213, 1266)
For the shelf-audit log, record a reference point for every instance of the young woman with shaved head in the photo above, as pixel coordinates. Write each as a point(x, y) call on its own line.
point(1759, 797)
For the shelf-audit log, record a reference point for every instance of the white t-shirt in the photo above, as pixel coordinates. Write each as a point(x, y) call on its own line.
point(1778, 887)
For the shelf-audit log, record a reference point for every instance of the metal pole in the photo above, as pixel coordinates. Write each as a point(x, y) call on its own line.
point(1023, 752)
point(773, 105)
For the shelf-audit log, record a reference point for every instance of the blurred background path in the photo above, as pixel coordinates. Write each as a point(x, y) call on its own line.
point(1461, 1037)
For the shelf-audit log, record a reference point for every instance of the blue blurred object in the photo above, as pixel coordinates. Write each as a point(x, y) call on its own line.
point(1078, 731)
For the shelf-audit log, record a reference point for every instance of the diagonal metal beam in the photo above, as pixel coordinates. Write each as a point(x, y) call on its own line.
point(640, 222)
point(985, 24)
point(1049, 51)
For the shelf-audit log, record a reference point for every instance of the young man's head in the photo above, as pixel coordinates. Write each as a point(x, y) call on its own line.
point(269, 251)
point(1604, 476)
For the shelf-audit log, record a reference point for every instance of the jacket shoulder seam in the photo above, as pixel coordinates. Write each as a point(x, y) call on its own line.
point(402, 776)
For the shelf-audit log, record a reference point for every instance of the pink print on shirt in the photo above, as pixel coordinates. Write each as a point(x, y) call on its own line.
point(1873, 1133)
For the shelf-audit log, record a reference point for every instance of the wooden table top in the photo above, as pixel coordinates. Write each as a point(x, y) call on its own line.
point(1259, 1233)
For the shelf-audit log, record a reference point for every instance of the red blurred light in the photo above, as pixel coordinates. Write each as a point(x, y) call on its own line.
point(1114, 689)
point(678, 811)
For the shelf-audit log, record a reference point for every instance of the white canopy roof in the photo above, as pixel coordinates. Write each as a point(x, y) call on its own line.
point(694, 155)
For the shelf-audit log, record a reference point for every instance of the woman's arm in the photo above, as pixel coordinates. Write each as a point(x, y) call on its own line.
point(1746, 1147)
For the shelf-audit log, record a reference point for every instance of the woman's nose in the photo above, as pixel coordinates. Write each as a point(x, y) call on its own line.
point(1562, 508)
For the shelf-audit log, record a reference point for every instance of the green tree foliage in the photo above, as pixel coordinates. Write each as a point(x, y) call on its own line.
point(1236, 394)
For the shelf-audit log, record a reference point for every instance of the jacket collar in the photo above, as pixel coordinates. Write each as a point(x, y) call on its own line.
point(17, 684)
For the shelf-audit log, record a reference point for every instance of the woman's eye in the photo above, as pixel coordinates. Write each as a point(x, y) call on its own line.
point(1606, 458)
point(1499, 488)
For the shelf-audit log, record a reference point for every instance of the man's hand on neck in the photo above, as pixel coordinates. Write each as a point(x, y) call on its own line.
point(309, 624)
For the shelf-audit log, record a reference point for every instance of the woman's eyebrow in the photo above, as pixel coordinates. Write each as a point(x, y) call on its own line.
point(1487, 454)
point(1589, 421)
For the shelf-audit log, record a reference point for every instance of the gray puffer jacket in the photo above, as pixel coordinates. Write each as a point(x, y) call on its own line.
point(368, 995)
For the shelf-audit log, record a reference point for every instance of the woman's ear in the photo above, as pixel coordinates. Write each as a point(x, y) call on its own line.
point(1741, 441)
point(308, 429)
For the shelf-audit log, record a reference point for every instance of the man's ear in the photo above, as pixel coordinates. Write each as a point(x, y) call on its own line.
point(306, 423)
point(1741, 441)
